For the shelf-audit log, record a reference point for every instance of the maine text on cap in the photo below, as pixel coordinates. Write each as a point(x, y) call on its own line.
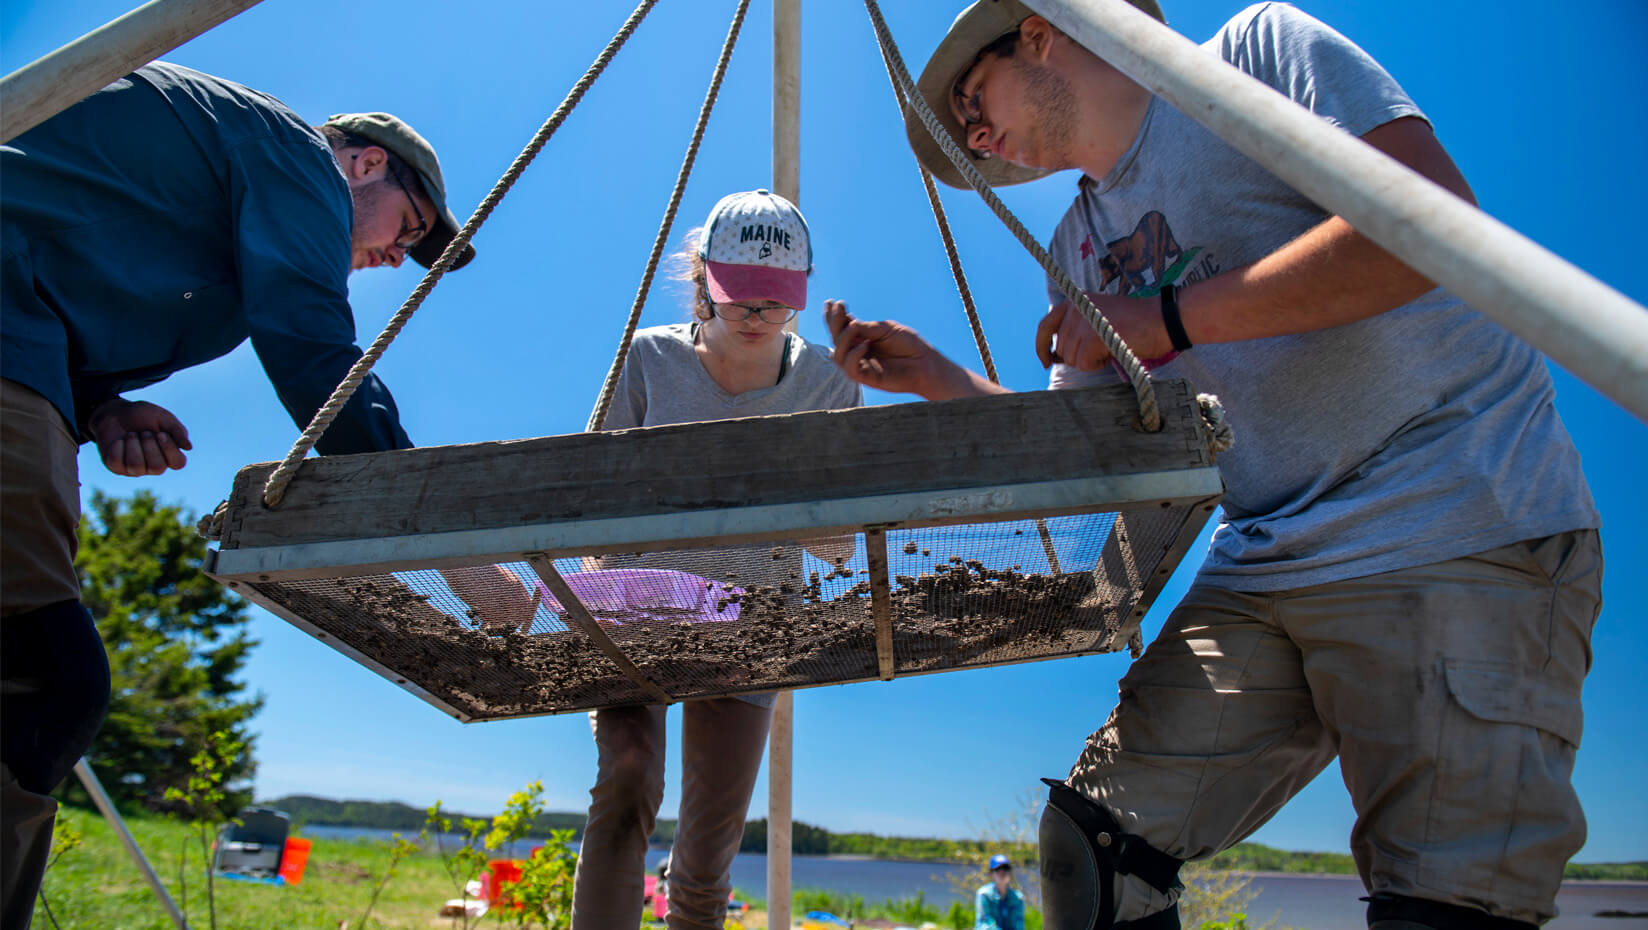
point(760, 232)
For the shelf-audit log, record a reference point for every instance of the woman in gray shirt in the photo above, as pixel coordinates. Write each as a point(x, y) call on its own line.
point(749, 270)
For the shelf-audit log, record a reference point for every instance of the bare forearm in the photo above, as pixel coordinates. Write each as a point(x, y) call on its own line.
point(1329, 276)
point(957, 381)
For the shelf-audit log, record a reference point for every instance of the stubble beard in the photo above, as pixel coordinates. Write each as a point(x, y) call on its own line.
point(1051, 101)
point(367, 201)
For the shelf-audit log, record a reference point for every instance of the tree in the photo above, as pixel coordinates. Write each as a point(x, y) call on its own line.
point(176, 640)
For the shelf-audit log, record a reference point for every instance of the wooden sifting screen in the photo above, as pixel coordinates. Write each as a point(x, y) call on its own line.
point(706, 559)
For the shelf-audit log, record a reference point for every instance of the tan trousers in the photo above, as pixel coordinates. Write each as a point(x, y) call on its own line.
point(1450, 692)
point(722, 740)
point(39, 502)
point(39, 514)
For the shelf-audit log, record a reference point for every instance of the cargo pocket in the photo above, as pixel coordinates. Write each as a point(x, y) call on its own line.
point(1498, 693)
point(1503, 770)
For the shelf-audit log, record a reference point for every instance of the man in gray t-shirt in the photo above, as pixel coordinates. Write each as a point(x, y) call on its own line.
point(1408, 568)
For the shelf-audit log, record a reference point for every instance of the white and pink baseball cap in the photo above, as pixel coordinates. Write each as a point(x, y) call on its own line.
point(755, 246)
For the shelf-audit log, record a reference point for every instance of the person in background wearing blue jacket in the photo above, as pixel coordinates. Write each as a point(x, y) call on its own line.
point(999, 906)
point(152, 227)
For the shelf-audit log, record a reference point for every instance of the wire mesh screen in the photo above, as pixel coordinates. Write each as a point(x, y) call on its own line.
point(489, 641)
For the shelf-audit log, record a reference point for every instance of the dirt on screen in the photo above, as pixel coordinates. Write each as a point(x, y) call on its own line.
point(787, 634)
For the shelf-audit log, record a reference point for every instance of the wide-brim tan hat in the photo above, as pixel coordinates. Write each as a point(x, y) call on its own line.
point(396, 136)
point(977, 26)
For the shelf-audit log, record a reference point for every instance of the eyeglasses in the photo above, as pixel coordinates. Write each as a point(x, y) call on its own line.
point(971, 106)
point(408, 237)
point(738, 313)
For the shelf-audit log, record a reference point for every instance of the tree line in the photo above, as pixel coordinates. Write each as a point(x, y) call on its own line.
point(393, 815)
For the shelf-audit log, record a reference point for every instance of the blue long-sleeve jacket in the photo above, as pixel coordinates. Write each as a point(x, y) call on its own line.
point(992, 911)
point(160, 223)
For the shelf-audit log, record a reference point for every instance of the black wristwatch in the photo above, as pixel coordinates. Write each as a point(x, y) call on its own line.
point(1171, 320)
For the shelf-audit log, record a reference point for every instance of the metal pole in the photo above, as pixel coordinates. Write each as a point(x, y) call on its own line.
point(780, 750)
point(1588, 327)
point(787, 99)
point(101, 799)
point(45, 87)
point(786, 181)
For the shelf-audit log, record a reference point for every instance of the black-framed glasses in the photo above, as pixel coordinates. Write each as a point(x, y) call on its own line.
point(409, 237)
point(971, 106)
point(738, 313)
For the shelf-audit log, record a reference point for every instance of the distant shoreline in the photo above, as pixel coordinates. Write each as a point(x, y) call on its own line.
point(1248, 858)
point(1620, 882)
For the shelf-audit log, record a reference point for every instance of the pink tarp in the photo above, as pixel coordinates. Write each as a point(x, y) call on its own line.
point(654, 593)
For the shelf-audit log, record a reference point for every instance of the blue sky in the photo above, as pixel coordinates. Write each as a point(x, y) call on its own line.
point(1540, 108)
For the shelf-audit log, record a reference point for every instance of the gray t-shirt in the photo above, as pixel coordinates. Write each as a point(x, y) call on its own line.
point(1422, 434)
point(663, 382)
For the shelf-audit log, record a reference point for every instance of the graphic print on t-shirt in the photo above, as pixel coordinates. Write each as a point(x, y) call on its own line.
point(1137, 265)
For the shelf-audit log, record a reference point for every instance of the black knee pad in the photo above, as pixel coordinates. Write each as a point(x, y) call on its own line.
point(1083, 848)
point(56, 687)
point(1436, 915)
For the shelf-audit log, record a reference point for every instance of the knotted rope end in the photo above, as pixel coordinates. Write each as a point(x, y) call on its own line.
point(1221, 437)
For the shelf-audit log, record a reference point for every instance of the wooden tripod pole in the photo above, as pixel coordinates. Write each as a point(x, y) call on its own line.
point(786, 119)
point(52, 83)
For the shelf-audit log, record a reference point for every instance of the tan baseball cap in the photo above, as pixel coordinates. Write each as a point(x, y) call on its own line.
point(977, 26)
point(394, 135)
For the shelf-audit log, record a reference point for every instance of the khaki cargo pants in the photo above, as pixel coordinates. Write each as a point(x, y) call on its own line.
point(39, 502)
point(1450, 693)
point(39, 513)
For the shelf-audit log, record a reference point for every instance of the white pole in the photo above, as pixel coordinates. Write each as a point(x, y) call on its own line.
point(101, 799)
point(786, 170)
point(787, 99)
point(1586, 326)
point(45, 87)
point(779, 753)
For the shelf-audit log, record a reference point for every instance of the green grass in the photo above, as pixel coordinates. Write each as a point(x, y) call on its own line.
point(98, 887)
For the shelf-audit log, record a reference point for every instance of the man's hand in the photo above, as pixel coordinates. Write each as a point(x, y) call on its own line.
point(1064, 334)
point(138, 438)
point(501, 603)
point(892, 357)
point(832, 550)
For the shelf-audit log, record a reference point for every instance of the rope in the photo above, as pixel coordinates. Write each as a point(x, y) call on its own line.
point(949, 242)
point(275, 489)
point(961, 278)
point(1149, 413)
point(211, 525)
point(1047, 547)
point(1221, 437)
point(610, 386)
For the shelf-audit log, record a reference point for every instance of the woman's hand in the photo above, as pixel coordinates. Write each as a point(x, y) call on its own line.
point(501, 602)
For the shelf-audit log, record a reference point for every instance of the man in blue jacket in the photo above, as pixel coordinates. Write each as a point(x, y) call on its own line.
point(155, 226)
point(999, 906)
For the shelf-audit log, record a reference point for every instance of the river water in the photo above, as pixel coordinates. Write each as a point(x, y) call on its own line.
point(1304, 902)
